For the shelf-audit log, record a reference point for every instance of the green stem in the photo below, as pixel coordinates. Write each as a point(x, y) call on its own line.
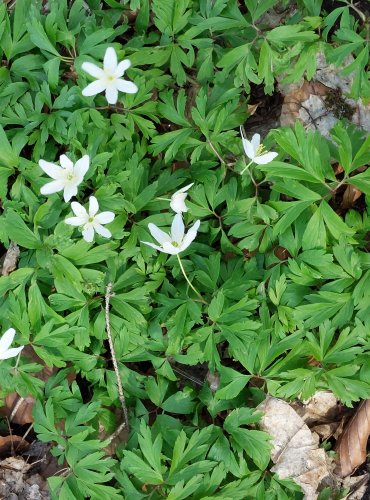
point(244, 169)
point(189, 282)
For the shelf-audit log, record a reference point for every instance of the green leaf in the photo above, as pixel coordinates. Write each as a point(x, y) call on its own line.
point(7, 156)
point(39, 37)
point(19, 232)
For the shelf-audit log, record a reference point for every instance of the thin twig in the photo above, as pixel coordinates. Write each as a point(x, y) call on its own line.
point(108, 295)
point(117, 432)
point(16, 408)
point(216, 152)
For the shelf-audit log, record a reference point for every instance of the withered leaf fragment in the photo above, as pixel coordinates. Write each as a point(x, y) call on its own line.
point(351, 446)
point(10, 259)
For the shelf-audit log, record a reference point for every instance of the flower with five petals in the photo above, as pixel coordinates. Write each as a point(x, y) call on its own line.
point(90, 221)
point(255, 150)
point(175, 242)
point(109, 79)
point(67, 177)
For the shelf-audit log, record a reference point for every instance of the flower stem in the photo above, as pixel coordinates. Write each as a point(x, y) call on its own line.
point(244, 169)
point(189, 282)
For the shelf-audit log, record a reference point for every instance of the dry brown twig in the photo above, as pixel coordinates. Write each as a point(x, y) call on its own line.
point(108, 295)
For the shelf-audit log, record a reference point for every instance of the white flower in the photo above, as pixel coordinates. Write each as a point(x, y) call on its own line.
point(177, 202)
point(5, 343)
point(109, 78)
point(90, 221)
point(66, 177)
point(255, 150)
point(175, 242)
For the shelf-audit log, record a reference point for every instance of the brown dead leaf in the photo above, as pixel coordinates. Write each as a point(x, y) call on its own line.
point(18, 409)
point(12, 444)
point(357, 486)
point(281, 253)
point(320, 103)
point(17, 481)
point(351, 446)
point(322, 407)
point(296, 452)
point(252, 108)
point(293, 100)
point(10, 259)
point(351, 194)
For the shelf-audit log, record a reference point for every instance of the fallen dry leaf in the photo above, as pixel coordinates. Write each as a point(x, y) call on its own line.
point(17, 481)
point(18, 409)
point(357, 486)
point(351, 446)
point(322, 407)
point(351, 194)
point(319, 104)
point(296, 451)
point(10, 259)
point(294, 97)
point(12, 444)
point(252, 108)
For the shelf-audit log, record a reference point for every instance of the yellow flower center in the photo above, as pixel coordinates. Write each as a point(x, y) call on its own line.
point(175, 244)
point(260, 150)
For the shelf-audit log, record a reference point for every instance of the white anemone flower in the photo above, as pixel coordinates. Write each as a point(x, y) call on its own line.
point(175, 242)
point(67, 177)
point(177, 202)
point(90, 221)
point(255, 150)
point(5, 343)
point(109, 78)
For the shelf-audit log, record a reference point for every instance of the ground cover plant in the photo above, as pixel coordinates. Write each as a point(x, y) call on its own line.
point(166, 265)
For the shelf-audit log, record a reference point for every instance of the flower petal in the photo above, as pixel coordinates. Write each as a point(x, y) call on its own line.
point(52, 170)
point(110, 60)
point(184, 189)
point(93, 70)
point(256, 141)
point(70, 190)
point(11, 353)
point(158, 234)
point(126, 86)
point(111, 94)
point(177, 202)
point(79, 210)
point(121, 67)
point(105, 217)
point(103, 231)
point(6, 340)
point(66, 162)
point(88, 233)
point(74, 221)
point(53, 187)
point(82, 166)
point(93, 206)
point(94, 88)
point(152, 245)
point(190, 236)
point(265, 158)
point(177, 229)
point(248, 149)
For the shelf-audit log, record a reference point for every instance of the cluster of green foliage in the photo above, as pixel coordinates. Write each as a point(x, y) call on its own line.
point(284, 323)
